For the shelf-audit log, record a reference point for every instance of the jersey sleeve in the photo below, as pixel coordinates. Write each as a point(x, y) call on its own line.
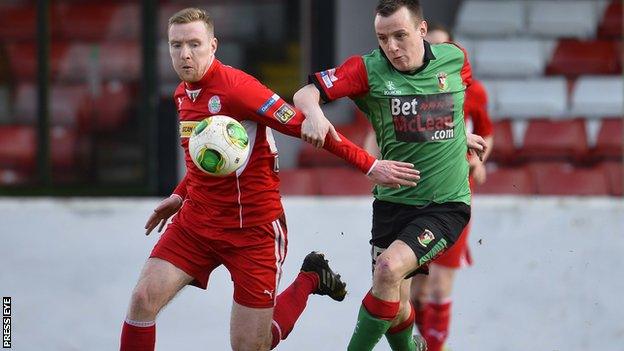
point(349, 79)
point(466, 70)
point(480, 116)
point(258, 103)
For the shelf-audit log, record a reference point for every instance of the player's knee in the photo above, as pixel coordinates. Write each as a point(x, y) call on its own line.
point(387, 270)
point(142, 302)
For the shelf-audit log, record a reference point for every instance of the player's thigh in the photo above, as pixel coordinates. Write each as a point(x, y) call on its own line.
point(396, 262)
point(250, 328)
point(158, 283)
point(256, 264)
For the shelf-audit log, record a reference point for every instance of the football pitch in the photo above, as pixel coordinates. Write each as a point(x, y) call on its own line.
point(548, 275)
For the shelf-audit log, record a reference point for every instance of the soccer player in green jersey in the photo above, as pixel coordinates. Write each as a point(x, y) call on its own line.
point(413, 94)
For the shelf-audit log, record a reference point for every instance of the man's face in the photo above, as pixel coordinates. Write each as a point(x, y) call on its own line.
point(437, 37)
point(400, 36)
point(192, 48)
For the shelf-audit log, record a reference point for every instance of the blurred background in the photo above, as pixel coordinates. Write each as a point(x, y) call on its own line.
point(86, 112)
point(86, 86)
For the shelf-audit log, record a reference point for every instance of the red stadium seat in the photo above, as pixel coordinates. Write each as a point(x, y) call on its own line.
point(63, 148)
point(513, 181)
point(615, 177)
point(110, 109)
point(611, 24)
point(343, 181)
point(574, 57)
point(504, 149)
point(18, 147)
point(67, 103)
point(22, 59)
point(102, 20)
point(610, 137)
point(555, 140)
point(563, 179)
point(298, 182)
point(109, 60)
point(18, 22)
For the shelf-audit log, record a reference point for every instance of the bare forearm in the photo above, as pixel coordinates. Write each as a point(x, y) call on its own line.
point(307, 99)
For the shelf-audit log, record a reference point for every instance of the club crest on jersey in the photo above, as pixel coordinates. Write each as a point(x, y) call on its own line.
point(442, 83)
point(285, 113)
point(425, 238)
point(214, 104)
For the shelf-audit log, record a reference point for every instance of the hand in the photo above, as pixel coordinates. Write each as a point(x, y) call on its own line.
point(315, 128)
point(167, 208)
point(476, 145)
point(393, 174)
point(478, 173)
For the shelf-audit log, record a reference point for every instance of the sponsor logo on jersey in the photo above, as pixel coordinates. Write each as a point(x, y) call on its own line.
point(442, 83)
point(267, 104)
point(425, 238)
point(186, 128)
point(180, 101)
point(192, 94)
point(433, 253)
point(285, 113)
point(214, 104)
point(329, 77)
point(423, 118)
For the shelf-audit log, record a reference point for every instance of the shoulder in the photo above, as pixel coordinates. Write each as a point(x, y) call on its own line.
point(234, 78)
point(179, 91)
point(449, 51)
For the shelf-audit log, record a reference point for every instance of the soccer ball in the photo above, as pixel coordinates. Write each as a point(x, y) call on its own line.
point(219, 145)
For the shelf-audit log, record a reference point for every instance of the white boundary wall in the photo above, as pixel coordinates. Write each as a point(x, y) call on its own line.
point(548, 275)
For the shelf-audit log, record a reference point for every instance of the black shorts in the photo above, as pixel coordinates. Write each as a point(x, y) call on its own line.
point(428, 230)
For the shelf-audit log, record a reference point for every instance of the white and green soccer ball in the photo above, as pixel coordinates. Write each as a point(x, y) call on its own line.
point(219, 145)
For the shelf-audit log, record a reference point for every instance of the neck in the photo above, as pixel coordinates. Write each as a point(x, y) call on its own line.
point(204, 77)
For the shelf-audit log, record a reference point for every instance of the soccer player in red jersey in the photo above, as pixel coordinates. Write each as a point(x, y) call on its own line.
point(238, 220)
point(431, 294)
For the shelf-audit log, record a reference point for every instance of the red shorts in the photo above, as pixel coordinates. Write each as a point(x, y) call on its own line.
point(253, 256)
point(458, 255)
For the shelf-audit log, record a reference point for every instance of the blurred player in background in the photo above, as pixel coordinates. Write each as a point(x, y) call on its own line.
point(431, 294)
point(413, 95)
point(236, 221)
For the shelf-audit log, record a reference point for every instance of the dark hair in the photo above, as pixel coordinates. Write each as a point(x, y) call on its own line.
point(441, 28)
point(386, 8)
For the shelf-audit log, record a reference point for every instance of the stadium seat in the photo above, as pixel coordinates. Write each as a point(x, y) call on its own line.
point(475, 18)
point(18, 147)
point(574, 57)
point(299, 182)
point(22, 59)
point(95, 21)
point(343, 182)
point(66, 103)
point(12, 177)
point(576, 19)
point(507, 58)
point(111, 107)
point(555, 140)
point(610, 139)
point(615, 177)
point(611, 23)
point(63, 148)
point(108, 60)
point(503, 150)
point(598, 96)
point(513, 181)
point(18, 22)
point(563, 179)
point(545, 97)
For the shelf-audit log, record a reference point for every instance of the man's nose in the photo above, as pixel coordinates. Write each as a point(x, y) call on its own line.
point(392, 45)
point(185, 52)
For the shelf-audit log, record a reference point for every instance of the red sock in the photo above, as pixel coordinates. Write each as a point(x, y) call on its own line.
point(422, 313)
point(140, 336)
point(437, 325)
point(290, 304)
point(381, 309)
point(405, 324)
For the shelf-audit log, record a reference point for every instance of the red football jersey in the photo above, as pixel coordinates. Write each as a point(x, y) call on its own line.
point(250, 196)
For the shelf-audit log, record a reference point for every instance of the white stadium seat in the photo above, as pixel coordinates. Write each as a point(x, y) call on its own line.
point(491, 18)
point(510, 58)
point(577, 19)
point(545, 97)
point(595, 96)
